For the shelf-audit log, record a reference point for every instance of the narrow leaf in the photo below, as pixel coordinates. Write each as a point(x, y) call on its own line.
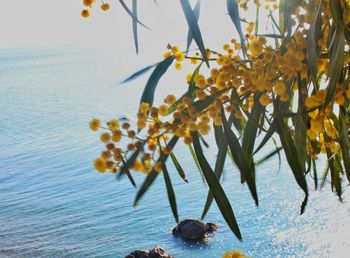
point(219, 164)
point(153, 174)
point(126, 8)
point(127, 171)
point(178, 167)
point(344, 141)
point(216, 189)
point(291, 153)
point(195, 159)
point(151, 85)
point(194, 28)
point(268, 156)
point(244, 164)
point(196, 11)
point(130, 161)
point(170, 191)
point(312, 38)
point(335, 64)
point(134, 25)
point(138, 73)
point(233, 12)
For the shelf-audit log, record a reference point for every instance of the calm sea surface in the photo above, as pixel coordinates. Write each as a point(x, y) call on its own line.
point(53, 204)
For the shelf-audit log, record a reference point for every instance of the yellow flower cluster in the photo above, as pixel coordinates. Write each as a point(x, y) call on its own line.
point(234, 254)
point(85, 13)
point(269, 75)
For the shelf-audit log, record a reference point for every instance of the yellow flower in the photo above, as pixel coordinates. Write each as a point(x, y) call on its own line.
point(223, 77)
point(94, 124)
point(234, 254)
point(264, 100)
point(203, 128)
point(280, 88)
point(175, 49)
point(113, 124)
point(284, 97)
point(201, 81)
point(100, 165)
point(187, 139)
point(226, 47)
point(311, 134)
point(105, 7)
point(138, 166)
point(167, 54)
point(144, 107)
point(348, 93)
point(141, 124)
point(193, 61)
point(105, 137)
point(250, 27)
point(88, 3)
point(85, 13)
point(339, 99)
point(214, 73)
point(116, 136)
point(178, 66)
point(170, 99)
point(106, 154)
point(179, 56)
point(217, 121)
point(158, 167)
point(163, 110)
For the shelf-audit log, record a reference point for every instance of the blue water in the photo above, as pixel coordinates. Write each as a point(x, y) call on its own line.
point(53, 204)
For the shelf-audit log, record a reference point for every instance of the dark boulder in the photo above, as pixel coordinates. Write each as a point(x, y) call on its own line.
point(192, 229)
point(156, 252)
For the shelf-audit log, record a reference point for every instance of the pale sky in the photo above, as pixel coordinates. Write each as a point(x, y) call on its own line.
point(48, 22)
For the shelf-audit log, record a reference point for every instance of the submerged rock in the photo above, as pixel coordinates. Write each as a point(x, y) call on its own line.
point(156, 252)
point(192, 229)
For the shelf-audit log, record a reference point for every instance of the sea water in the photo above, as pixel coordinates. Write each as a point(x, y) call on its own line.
point(53, 203)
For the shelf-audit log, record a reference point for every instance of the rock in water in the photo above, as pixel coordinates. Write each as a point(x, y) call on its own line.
point(156, 252)
point(192, 229)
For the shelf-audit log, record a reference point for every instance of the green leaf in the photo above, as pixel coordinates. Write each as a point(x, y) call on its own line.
point(170, 191)
point(335, 64)
point(196, 11)
point(134, 25)
point(344, 141)
point(313, 36)
point(335, 168)
point(127, 171)
point(151, 85)
point(324, 177)
point(194, 28)
point(178, 167)
point(132, 15)
point(233, 12)
point(251, 129)
point(291, 153)
point(266, 138)
point(194, 156)
point(268, 156)
point(153, 174)
point(219, 164)
point(138, 73)
point(244, 164)
point(314, 168)
point(130, 161)
point(216, 189)
point(300, 124)
point(286, 9)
